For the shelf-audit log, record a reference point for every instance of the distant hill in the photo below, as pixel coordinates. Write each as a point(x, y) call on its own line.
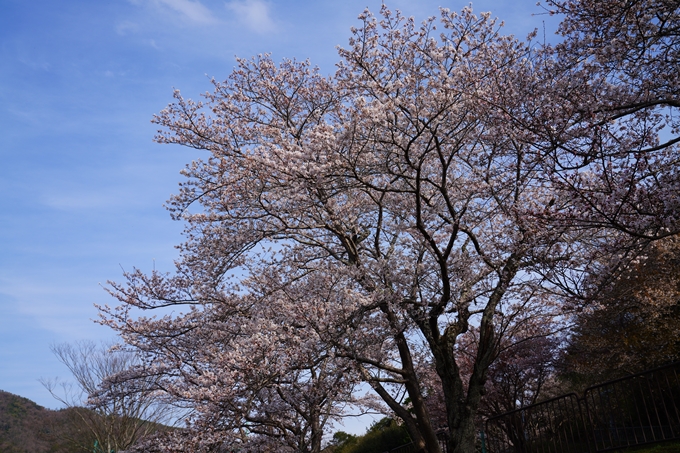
point(26, 427)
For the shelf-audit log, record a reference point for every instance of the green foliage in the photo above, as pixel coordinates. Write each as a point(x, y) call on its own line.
point(17, 407)
point(383, 435)
point(341, 440)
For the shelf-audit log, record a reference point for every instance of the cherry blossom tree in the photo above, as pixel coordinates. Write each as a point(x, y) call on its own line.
point(633, 43)
point(615, 132)
point(253, 376)
point(522, 373)
point(354, 228)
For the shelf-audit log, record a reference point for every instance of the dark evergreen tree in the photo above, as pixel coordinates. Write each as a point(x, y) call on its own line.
point(633, 322)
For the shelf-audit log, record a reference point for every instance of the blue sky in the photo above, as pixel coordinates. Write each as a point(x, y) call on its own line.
point(82, 183)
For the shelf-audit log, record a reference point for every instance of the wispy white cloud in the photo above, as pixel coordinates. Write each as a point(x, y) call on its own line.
point(35, 64)
point(193, 10)
point(76, 201)
point(254, 14)
point(126, 27)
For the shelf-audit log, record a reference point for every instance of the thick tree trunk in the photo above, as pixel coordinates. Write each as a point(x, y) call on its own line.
point(462, 409)
point(463, 440)
point(317, 431)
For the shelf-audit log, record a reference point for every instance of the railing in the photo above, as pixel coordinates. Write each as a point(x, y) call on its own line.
point(635, 410)
point(552, 426)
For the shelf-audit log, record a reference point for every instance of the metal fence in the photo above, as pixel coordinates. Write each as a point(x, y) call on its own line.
point(627, 412)
point(636, 410)
point(552, 426)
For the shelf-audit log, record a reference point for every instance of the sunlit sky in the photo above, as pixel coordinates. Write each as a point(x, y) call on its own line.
point(82, 183)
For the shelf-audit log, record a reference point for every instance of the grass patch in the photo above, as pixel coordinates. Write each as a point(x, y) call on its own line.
point(669, 447)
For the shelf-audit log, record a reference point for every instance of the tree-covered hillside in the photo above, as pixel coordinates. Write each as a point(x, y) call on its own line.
point(27, 427)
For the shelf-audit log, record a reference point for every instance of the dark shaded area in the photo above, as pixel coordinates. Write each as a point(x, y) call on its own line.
point(613, 416)
point(632, 323)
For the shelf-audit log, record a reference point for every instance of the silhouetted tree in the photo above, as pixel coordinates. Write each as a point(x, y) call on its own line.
point(116, 419)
